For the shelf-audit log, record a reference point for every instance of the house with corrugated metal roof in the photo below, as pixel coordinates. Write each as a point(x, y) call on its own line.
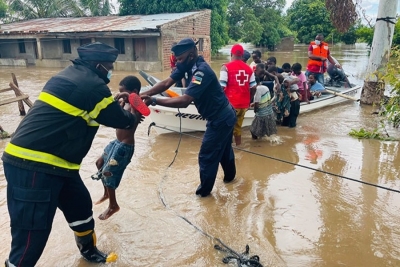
point(144, 41)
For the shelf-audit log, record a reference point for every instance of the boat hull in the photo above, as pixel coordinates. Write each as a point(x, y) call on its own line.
point(188, 119)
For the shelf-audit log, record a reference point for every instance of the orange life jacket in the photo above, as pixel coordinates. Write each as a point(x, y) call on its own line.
point(320, 51)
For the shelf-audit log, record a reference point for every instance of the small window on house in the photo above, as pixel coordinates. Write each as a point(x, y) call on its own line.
point(67, 46)
point(119, 43)
point(21, 45)
point(85, 41)
point(201, 44)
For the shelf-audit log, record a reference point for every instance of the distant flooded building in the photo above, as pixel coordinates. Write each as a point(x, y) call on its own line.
point(144, 42)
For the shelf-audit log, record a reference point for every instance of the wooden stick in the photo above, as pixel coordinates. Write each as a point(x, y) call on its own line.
point(16, 89)
point(5, 90)
point(342, 95)
point(20, 103)
point(14, 99)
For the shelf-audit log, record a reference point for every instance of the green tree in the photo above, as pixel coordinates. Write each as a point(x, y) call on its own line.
point(97, 7)
point(365, 34)
point(257, 21)
point(396, 36)
point(350, 36)
point(33, 9)
point(3, 8)
point(308, 18)
point(219, 29)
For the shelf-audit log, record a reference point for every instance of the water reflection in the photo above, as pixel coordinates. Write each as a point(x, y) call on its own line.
point(289, 215)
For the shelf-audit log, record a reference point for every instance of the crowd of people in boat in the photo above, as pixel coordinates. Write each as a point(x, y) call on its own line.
point(278, 91)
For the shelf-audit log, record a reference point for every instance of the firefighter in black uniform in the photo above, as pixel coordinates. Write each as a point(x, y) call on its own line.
point(42, 161)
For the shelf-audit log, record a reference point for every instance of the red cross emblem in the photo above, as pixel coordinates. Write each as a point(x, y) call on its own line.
point(242, 77)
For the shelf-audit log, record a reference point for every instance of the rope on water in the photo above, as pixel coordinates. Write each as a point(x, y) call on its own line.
point(242, 259)
point(288, 162)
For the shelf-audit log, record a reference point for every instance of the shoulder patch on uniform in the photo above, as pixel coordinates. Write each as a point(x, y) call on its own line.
point(199, 73)
point(197, 79)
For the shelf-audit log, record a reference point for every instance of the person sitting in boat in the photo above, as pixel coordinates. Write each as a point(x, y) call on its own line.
point(286, 68)
point(316, 88)
point(266, 78)
point(318, 54)
point(256, 55)
point(271, 62)
point(238, 82)
point(337, 77)
point(246, 56)
point(302, 83)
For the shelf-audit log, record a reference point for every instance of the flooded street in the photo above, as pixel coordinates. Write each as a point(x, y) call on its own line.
point(284, 203)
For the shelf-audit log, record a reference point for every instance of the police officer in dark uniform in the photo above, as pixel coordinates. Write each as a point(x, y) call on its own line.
point(42, 160)
point(206, 93)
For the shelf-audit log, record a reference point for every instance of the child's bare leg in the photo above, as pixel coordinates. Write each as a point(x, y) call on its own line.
point(112, 207)
point(104, 197)
point(99, 165)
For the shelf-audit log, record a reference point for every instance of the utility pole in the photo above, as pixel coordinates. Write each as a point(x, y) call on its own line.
point(374, 87)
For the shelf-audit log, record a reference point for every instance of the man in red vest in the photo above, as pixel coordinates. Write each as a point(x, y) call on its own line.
point(238, 82)
point(318, 54)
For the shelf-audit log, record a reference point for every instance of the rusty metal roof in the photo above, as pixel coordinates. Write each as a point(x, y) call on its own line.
point(92, 24)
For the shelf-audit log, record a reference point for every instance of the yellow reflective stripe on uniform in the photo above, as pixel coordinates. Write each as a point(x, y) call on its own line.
point(100, 106)
point(66, 108)
point(38, 156)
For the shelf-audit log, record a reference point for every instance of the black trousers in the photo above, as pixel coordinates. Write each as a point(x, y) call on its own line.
point(32, 199)
point(216, 149)
point(294, 112)
point(291, 120)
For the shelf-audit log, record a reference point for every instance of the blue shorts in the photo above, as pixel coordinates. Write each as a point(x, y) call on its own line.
point(116, 157)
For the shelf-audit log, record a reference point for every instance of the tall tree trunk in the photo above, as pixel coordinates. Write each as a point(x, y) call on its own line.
point(374, 87)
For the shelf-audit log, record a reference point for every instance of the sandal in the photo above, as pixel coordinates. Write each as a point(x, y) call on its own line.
point(138, 104)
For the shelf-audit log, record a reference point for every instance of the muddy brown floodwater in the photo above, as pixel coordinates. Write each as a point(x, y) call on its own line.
point(288, 214)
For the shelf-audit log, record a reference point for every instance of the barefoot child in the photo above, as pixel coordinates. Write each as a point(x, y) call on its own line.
point(118, 153)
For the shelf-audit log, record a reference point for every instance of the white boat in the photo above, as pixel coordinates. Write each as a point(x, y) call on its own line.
point(188, 119)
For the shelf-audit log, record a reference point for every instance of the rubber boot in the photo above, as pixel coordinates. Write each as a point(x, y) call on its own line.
point(86, 242)
point(238, 140)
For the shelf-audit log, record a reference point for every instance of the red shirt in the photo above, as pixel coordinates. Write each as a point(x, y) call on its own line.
point(172, 61)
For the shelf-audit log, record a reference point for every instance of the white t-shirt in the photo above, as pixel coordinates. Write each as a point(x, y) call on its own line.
point(260, 96)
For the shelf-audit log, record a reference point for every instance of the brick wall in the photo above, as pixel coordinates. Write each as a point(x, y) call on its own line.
point(196, 26)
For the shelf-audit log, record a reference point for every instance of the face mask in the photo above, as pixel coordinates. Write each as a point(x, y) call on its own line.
point(184, 66)
point(109, 74)
point(317, 42)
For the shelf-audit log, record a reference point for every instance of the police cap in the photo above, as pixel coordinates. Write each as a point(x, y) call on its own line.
point(183, 46)
point(98, 52)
